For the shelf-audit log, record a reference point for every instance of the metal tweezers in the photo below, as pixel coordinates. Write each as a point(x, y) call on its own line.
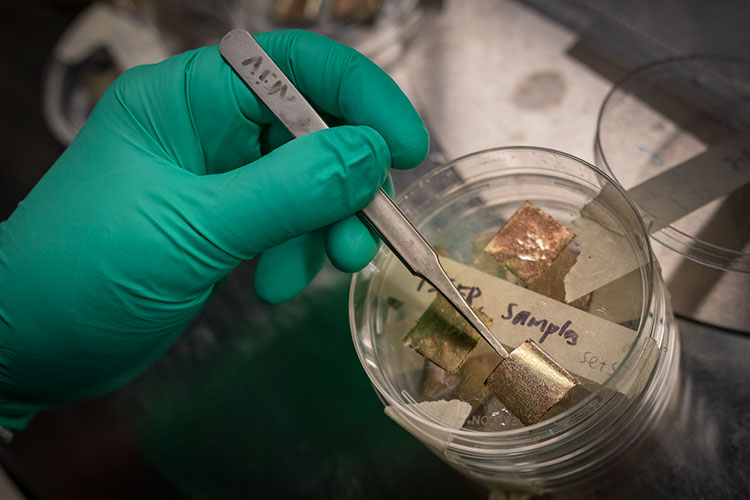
point(269, 83)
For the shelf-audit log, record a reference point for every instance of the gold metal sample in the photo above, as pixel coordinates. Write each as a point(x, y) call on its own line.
point(532, 385)
point(443, 336)
point(529, 242)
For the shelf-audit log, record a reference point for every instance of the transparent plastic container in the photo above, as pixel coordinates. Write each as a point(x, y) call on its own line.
point(453, 205)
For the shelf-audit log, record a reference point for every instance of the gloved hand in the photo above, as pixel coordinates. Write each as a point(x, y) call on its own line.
point(179, 174)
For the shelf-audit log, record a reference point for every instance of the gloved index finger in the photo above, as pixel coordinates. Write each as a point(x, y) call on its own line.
point(346, 84)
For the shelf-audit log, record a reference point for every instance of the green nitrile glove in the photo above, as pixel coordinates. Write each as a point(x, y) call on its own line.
point(179, 174)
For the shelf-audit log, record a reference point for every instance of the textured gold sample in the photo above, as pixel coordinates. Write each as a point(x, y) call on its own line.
point(443, 336)
point(531, 384)
point(529, 242)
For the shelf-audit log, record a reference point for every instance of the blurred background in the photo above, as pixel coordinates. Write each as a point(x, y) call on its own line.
point(222, 414)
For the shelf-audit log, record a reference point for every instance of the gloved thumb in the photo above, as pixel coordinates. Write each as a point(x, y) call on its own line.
point(306, 184)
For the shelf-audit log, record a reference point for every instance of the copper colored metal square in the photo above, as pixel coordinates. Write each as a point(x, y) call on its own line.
point(443, 336)
point(529, 242)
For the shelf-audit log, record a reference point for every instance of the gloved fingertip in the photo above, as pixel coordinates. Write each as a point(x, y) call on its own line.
point(412, 148)
point(268, 292)
point(350, 244)
point(285, 270)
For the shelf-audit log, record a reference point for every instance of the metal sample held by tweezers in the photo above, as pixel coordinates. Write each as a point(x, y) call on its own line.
point(255, 67)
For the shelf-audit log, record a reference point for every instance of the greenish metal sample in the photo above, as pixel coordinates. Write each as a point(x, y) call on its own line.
point(443, 336)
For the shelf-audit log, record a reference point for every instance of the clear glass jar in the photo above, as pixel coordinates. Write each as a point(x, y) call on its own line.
point(474, 195)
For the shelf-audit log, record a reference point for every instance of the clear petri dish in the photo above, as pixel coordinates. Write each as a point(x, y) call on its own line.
point(626, 351)
point(692, 113)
